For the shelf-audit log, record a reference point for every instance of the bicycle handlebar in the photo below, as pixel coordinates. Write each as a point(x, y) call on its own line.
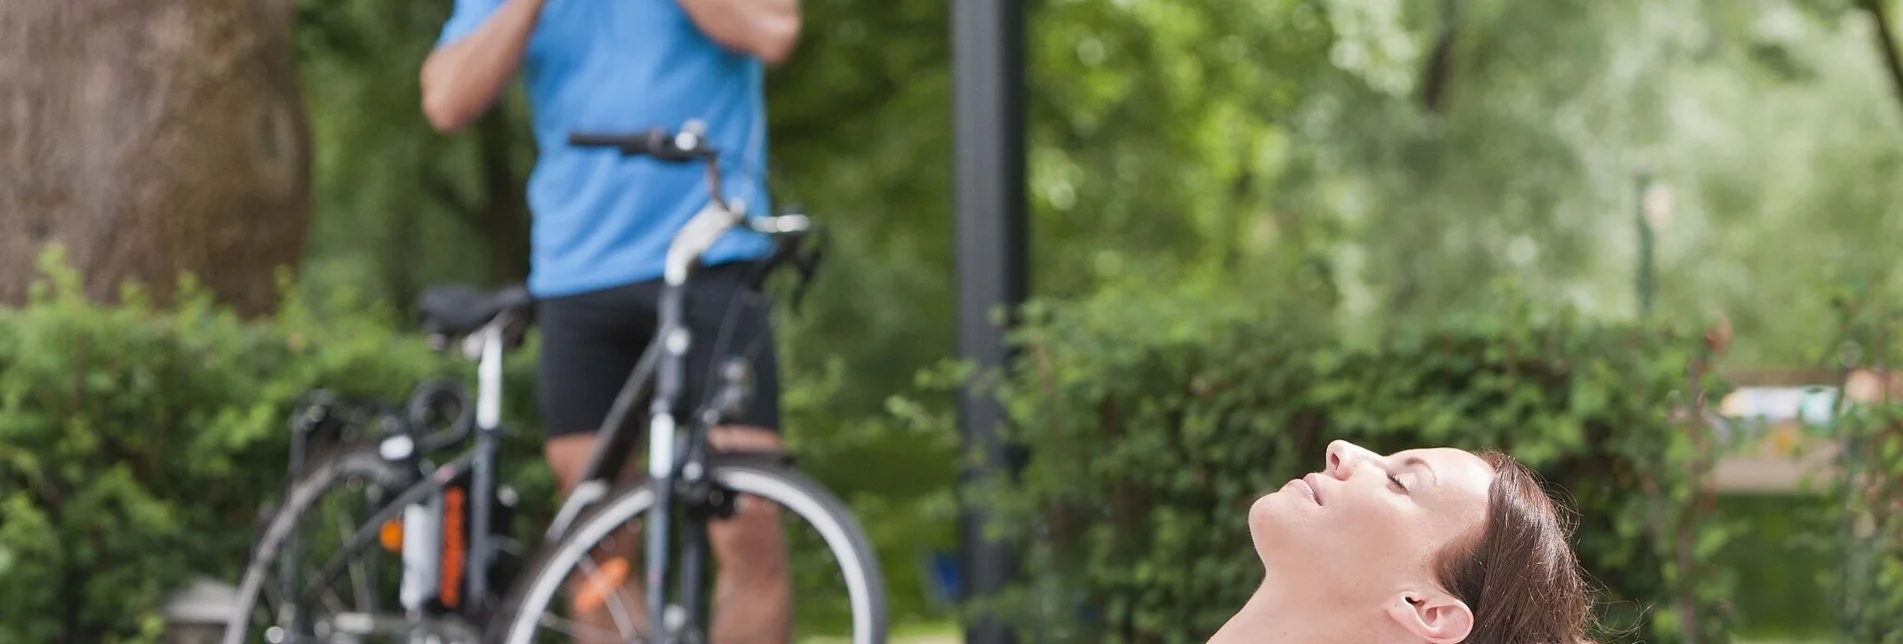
point(690, 144)
point(686, 145)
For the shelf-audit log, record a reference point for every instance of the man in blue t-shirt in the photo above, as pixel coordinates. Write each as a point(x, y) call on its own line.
point(602, 223)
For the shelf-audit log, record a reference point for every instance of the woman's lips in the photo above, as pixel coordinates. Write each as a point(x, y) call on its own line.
point(1311, 482)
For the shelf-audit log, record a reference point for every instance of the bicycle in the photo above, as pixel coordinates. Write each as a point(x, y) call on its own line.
point(449, 523)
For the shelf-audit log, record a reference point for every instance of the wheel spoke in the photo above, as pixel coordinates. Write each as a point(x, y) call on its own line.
point(584, 632)
point(359, 580)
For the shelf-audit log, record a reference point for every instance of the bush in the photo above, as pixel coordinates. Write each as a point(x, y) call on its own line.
point(1865, 510)
point(137, 444)
point(1154, 421)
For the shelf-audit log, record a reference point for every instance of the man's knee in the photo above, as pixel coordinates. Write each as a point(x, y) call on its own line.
point(743, 438)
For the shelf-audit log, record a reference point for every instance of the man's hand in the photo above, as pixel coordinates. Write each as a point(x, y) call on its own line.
point(462, 80)
point(766, 29)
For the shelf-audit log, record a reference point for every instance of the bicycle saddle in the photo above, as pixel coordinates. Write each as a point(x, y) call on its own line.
point(458, 309)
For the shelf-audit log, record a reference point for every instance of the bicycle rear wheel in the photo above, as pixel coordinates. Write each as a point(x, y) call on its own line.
point(328, 502)
point(837, 586)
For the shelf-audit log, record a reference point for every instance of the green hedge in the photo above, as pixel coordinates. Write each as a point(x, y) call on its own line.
point(137, 443)
point(1154, 421)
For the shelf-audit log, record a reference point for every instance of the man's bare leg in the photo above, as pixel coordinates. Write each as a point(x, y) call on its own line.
point(567, 455)
point(753, 596)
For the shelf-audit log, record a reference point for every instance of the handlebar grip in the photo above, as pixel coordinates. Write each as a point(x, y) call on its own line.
point(627, 144)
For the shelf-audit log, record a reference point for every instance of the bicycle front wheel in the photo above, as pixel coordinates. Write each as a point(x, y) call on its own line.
point(837, 588)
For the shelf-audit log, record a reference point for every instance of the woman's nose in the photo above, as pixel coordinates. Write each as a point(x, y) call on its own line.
point(1343, 457)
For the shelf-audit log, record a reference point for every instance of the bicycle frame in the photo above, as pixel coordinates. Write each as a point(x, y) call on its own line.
point(606, 461)
point(478, 460)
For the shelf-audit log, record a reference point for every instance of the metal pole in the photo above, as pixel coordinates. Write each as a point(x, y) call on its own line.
point(990, 203)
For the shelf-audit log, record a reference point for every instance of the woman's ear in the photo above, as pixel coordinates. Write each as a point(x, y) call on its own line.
point(1434, 616)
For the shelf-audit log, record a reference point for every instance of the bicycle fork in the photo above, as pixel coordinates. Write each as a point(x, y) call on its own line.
point(661, 443)
point(678, 479)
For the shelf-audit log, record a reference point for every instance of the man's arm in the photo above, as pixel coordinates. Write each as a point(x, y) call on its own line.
point(462, 80)
point(766, 29)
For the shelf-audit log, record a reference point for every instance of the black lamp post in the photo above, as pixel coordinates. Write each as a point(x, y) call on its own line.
point(990, 203)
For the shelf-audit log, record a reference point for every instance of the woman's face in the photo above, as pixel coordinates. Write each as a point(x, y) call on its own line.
point(1368, 520)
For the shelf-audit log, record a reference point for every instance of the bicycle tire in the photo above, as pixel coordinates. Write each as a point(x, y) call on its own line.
point(323, 473)
point(795, 492)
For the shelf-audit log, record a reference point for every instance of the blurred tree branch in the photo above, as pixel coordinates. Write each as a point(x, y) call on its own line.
point(504, 214)
point(499, 210)
point(1892, 60)
point(1437, 74)
point(444, 191)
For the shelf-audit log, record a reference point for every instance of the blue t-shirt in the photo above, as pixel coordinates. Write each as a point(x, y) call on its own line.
point(622, 67)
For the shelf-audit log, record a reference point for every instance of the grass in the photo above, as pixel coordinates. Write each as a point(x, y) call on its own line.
point(934, 633)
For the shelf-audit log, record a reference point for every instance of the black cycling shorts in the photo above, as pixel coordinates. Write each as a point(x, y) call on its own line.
point(592, 341)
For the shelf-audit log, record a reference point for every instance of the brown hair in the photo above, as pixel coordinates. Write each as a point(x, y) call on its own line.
point(1519, 574)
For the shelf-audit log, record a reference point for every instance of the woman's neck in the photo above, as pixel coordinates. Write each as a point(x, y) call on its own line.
point(1278, 614)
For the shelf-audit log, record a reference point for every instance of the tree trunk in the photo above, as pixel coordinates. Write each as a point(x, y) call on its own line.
point(500, 211)
point(505, 211)
point(152, 139)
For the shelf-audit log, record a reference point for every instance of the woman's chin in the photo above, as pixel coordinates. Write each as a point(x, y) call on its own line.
point(1267, 515)
point(1275, 519)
